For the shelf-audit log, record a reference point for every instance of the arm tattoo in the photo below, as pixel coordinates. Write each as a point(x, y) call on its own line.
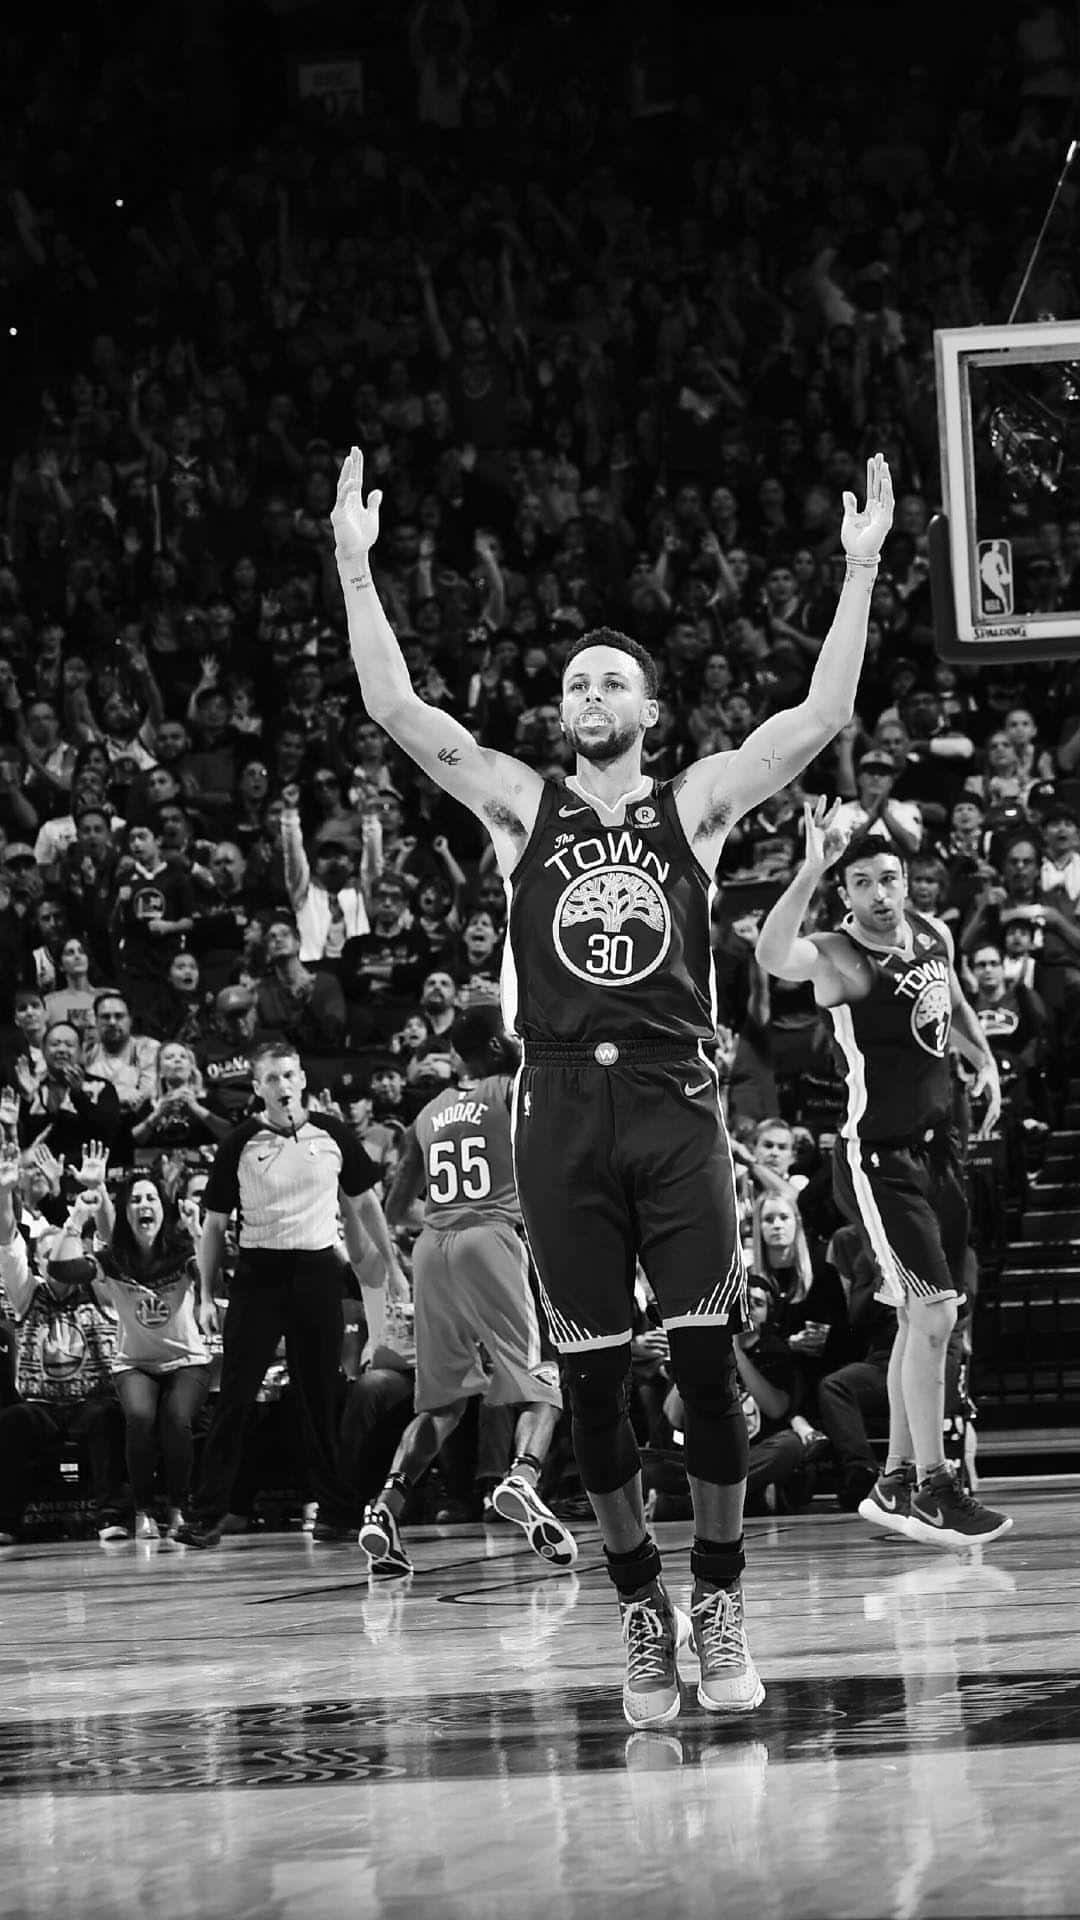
point(449, 756)
point(770, 759)
point(360, 580)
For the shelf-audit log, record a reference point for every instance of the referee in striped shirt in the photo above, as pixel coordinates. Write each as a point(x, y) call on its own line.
point(286, 1174)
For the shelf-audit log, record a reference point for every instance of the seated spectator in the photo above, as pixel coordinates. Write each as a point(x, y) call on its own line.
point(247, 822)
point(65, 1345)
point(938, 758)
point(776, 1477)
point(225, 1054)
point(305, 1006)
point(872, 805)
point(929, 890)
point(770, 1161)
point(55, 837)
point(154, 908)
point(212, 762)
point(49, 920)
point(1034, 760)
point(438, 921)
point(381, 969)
point(178, 1008)
point(126, 1059)
point(855, 1395)
point(146, 1275)
point(479, 960)
point(434, 1064)
point(177, 1114)
point(76, 995)
point(809, 1306)
point(71, 1103)
point(413, 1035)
point(1061, 852)
point(1015, 1022)
point(1055, 927)
point(23, 1042)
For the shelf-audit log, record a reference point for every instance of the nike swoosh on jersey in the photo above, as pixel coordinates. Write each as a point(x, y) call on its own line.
point(567, 813)
point(687, 1088)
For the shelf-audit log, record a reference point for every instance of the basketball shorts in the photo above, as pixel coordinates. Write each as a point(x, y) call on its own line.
point(478, 1331)
point(620, 1160)
point(908, 1201)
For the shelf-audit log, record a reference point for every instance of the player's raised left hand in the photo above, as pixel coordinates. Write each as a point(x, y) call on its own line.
point(356, 525)
point(863, 534)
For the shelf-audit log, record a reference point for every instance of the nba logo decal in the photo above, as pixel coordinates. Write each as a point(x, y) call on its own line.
point(995, 579)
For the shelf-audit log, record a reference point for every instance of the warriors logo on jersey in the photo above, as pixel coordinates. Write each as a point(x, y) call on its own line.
point(612, 924)
point(927, 986)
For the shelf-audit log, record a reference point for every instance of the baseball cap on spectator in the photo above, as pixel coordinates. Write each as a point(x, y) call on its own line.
point(16, 851)
point(234, 1000)
point(1042, 797)
point(1007, 813)
point(876, 760)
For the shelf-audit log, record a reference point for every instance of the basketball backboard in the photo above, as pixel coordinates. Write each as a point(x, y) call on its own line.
point(1005, 551)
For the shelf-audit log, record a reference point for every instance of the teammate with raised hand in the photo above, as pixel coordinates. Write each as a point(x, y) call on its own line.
point(887, 979)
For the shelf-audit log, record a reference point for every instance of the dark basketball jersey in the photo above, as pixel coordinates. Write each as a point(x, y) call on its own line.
point(464, 1137)
point(894, 1045)
point(608, 927)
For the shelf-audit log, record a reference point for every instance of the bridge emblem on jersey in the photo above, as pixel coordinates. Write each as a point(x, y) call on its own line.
point(612, 926)
point(931, 1018)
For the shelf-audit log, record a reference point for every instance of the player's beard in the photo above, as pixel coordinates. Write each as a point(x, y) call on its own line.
point(600, 749)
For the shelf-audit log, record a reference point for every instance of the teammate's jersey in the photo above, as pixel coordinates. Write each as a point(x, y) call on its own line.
point(894, 1045)
point(608, 927)
point(464, 1137)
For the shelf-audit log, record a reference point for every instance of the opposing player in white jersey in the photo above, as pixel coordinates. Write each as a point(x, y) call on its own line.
point(478, 1333)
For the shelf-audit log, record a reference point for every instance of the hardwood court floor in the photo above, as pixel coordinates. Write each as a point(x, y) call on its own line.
point(256, 1732)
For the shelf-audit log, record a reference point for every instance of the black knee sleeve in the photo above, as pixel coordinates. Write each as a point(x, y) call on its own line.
point(598, 1384)
point(716, 1448)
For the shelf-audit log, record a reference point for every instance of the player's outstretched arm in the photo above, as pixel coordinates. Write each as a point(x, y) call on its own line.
point(503, 791)
point(782, 948)
point(718, 790)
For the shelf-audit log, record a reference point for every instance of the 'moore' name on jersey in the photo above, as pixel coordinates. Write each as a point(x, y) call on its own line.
point(894, 1043)
point(608, 926)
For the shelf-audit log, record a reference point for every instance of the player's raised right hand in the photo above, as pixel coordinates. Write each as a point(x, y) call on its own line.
point(356, 526)
point(825, 841)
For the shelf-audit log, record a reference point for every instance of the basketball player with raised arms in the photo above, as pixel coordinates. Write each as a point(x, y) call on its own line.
point(620, 1148)
point(887, 980)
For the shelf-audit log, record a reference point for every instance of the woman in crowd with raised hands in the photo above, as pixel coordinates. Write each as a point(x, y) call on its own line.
point(146, 1274)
